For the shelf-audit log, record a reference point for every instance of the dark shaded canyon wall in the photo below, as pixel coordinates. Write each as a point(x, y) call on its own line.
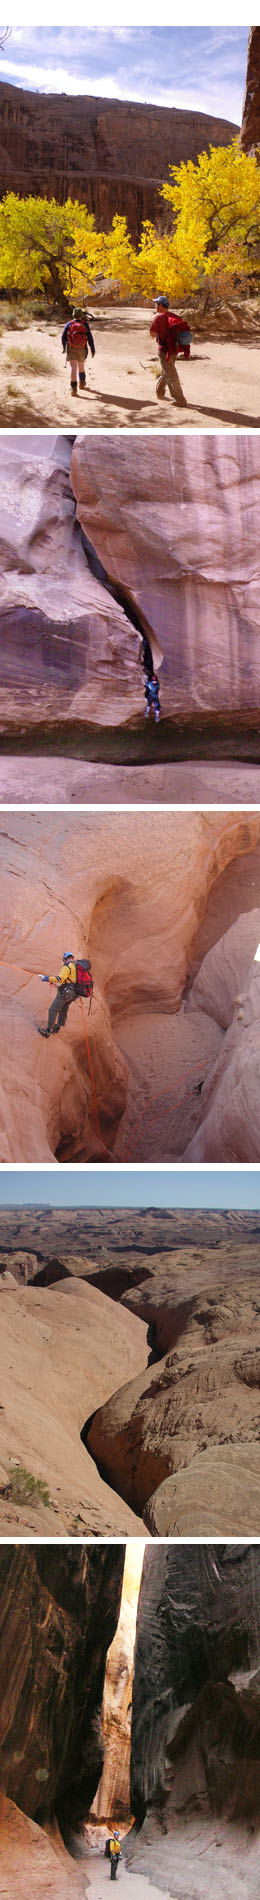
point(111, 155)
point(58, 1615)
point(250, 128)
point(196, 1706)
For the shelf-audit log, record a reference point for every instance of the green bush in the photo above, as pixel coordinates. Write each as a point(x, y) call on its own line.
point(23, 1488)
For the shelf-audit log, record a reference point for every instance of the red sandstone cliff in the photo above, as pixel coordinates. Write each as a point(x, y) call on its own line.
point(112, 155)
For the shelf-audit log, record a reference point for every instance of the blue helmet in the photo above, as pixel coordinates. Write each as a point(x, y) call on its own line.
point(67, 955)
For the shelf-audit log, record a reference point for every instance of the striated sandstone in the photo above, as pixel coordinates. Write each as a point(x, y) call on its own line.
point(58, 1613)
point(112, 1800)
point(112, 155)
point(187, 548)
point(250, 128)
point(184, 560)
point(196, 1723)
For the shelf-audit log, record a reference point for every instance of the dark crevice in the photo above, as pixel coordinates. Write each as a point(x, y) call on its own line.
point(125, 600)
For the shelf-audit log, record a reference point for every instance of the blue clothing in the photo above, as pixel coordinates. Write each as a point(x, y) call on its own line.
point(89, 337)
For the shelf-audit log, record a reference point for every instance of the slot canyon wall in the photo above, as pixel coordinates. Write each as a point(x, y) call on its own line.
point(58, 1615)
point(112, 1800)
point(186, 552)
point(121, 889)
point(112, 155)
point(196, 1722)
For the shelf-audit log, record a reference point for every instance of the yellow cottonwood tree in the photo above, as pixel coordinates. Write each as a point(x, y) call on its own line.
point(215, 208)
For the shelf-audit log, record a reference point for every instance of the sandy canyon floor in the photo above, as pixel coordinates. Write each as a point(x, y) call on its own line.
point(220, 383)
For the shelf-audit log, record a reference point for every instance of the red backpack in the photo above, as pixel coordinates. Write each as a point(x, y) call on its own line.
point(85, 983)
point(175, 325)
point(77, 335)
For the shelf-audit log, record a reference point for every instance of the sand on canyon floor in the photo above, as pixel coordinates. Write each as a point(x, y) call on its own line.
point(65, 781)
point(221, 382)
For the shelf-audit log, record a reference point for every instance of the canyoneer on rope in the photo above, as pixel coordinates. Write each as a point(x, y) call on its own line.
point(152, 698)
point(74, 980)
point(114, 1851)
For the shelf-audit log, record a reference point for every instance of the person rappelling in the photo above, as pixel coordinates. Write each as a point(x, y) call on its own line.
point(152, 690)
point(74, 980)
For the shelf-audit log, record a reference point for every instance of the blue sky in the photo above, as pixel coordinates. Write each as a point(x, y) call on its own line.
point(228, 1187)
point(199, 67)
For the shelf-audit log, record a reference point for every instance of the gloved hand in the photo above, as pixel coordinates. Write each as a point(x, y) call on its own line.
point(43, 979)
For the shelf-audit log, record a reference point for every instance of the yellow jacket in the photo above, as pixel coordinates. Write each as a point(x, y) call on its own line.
point(67, 974)
point(114, 1846)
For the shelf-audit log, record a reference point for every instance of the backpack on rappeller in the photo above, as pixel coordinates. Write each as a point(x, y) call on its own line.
point(84, 983)
point(76, 339)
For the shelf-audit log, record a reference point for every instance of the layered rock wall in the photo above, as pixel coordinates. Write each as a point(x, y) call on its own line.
point(58, 1614)
point(182, 557)
point(112, 155)
point(250, 128)
point(196, 1721)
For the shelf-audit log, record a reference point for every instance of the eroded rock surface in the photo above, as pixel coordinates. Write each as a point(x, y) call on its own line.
point(196, 1722)
point(175, 534)
point(112, 890)
point(175, 1439)
point(60, 1353)
point(109, 154)
point(250, 128)
point(58, 1615)
point(112, 1800)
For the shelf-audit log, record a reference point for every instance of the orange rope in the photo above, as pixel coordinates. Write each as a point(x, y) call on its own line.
point(92, 1078)
point(18, 966)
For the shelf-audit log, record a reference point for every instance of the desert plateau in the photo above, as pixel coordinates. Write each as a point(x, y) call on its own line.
point(134, 1399)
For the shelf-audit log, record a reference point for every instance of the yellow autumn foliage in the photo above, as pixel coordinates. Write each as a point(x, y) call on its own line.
point(213, 234)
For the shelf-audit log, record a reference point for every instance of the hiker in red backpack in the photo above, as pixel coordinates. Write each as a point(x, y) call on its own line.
point(166, 326)
point(75, 339)
point(74, 980)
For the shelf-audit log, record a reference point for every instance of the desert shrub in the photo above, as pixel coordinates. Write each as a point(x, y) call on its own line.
point(23, 1488)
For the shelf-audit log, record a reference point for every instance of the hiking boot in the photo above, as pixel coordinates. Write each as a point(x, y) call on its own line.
point(74, 389)
point(42, 1032)
point(55, 1030)
point(82, 379)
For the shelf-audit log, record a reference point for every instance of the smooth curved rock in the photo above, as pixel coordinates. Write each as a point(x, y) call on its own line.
point(201, 1398)
point(111, 890)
